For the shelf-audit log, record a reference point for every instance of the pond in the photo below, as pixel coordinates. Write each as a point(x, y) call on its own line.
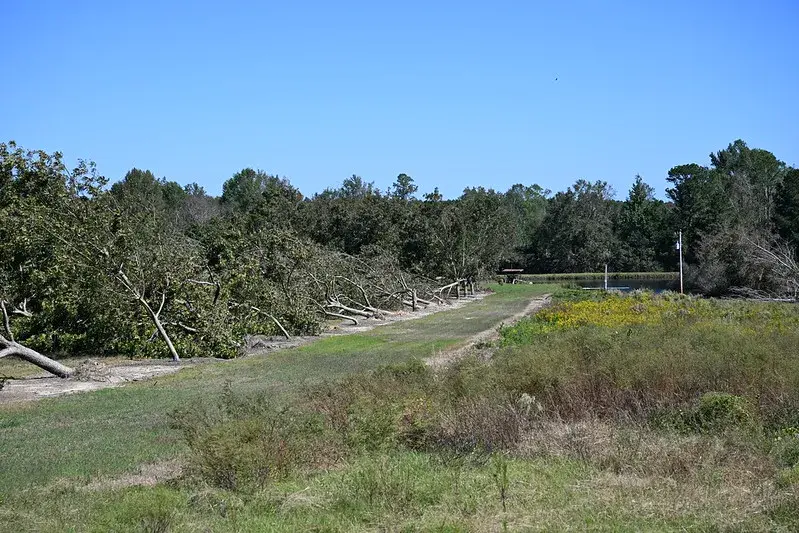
point(629, 284)
point(656, 285)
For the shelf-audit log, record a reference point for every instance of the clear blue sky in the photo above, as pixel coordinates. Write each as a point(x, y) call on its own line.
point(455, 94)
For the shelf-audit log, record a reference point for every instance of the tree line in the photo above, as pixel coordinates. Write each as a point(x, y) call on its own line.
point(146, 266)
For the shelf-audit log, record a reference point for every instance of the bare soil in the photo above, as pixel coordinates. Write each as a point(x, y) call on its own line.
point(89, 375)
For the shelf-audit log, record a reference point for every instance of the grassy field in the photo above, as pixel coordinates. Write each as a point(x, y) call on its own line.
point(605, 413)
point(106, 433)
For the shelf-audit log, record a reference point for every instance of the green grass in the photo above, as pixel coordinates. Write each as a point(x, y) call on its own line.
point(108, 432)
point(409, 491)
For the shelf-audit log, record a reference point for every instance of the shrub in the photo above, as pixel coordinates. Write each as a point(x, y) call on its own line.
point(244, 442)
point(372, 426)
point(476, 424)
point(378, 410)
point(719, 411)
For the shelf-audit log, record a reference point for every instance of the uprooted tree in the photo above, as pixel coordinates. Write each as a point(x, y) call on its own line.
point(123, 271)
point(149, 268)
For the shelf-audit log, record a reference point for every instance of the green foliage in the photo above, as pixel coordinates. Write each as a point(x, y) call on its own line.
point(722, 206)
point(580, 218)
point(786, 208)
point(718, 411)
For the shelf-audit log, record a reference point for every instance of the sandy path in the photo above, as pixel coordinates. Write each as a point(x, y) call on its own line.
point(98, 375)
point(448, 357)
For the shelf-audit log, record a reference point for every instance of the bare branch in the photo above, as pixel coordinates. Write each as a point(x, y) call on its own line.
point(201, 282)
point(6, 323)
point(161, 305)
point(360, 287)
point(22, 310)
point(180, 325)
point(339, 315)
point(335, 315)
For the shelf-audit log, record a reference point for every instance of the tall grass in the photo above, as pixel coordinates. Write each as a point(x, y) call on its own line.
point(672, 387)
point(630, 356)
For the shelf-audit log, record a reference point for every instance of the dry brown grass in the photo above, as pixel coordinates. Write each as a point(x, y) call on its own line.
point(628, 449)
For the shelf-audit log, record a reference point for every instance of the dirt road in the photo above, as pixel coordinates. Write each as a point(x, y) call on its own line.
point(448, 357)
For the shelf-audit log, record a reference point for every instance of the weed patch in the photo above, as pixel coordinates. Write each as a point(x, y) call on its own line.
point(245, 442)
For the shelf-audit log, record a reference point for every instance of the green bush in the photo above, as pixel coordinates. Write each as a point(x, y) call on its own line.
point(378, 410)
point(788, 476)
point(720, 411)
point(372, 426)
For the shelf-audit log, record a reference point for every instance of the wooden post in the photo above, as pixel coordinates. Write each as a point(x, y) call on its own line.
point(679, 247)
point(606, 276)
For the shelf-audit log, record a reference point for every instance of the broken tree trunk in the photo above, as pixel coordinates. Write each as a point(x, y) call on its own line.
point(335, 315)
point(154, 315)
point(335, 304)
point(34, 357)
point(455, 285)
point(160, 327)
point(376, 311)
point(8, 346)
point(339, 315)
point(277, 323)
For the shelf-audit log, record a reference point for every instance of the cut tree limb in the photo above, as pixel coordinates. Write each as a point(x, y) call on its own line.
point(34, 357)
point(335, 315)
point(334, 303)
point(275, 320)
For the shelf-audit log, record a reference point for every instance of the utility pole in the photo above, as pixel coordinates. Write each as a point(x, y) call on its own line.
point(679, 247)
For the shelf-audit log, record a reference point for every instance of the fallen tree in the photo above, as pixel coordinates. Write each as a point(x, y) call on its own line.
point(8, 347)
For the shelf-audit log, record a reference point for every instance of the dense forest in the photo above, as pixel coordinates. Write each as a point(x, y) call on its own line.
point(146, 266)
